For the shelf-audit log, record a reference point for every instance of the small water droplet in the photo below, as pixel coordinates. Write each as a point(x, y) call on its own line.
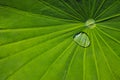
point(90, 23)
point(82, 39)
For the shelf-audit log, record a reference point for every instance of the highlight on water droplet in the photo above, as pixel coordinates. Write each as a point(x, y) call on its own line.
point(82, 39)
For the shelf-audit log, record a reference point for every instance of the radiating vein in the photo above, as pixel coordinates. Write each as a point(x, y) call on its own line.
point(62, 54)
point(84, 64)
point(94, 55)
point(89, 8)
point(70, 63)
point(115, 29)
point(81, 10)
point(85, 8)
point(32, 59)
point(109, 36)
point(53, 37)
point(71, 8)
point(60, 10)
point(106, 60)
point(107, 9)
point(108, 18)
point(39, 28)
point(102, 3)
point(111, 49)
point(93, 8)
point(23, 12)
point(60, 33)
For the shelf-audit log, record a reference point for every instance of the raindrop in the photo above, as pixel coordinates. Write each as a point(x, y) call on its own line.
point(82, 39)
point(90, 23)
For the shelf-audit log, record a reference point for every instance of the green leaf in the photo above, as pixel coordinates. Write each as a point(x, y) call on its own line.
point(39, 40)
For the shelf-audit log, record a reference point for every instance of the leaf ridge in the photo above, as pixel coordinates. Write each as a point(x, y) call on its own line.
point(106, 60)
point(55, 61)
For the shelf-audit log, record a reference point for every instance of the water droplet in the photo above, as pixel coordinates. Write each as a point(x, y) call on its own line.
point(82, 39)
point(90, 23)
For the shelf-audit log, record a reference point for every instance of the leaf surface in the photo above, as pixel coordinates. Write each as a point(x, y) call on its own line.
point(37, 40)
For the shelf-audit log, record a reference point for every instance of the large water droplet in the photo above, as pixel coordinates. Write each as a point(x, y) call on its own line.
point(82, 39)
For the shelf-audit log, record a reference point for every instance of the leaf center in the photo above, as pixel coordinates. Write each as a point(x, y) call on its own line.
point(90, 23)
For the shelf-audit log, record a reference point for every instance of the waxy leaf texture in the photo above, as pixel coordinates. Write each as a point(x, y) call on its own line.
point(37, 40)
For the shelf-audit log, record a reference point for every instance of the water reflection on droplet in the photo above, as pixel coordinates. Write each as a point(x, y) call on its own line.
point(82, 39)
